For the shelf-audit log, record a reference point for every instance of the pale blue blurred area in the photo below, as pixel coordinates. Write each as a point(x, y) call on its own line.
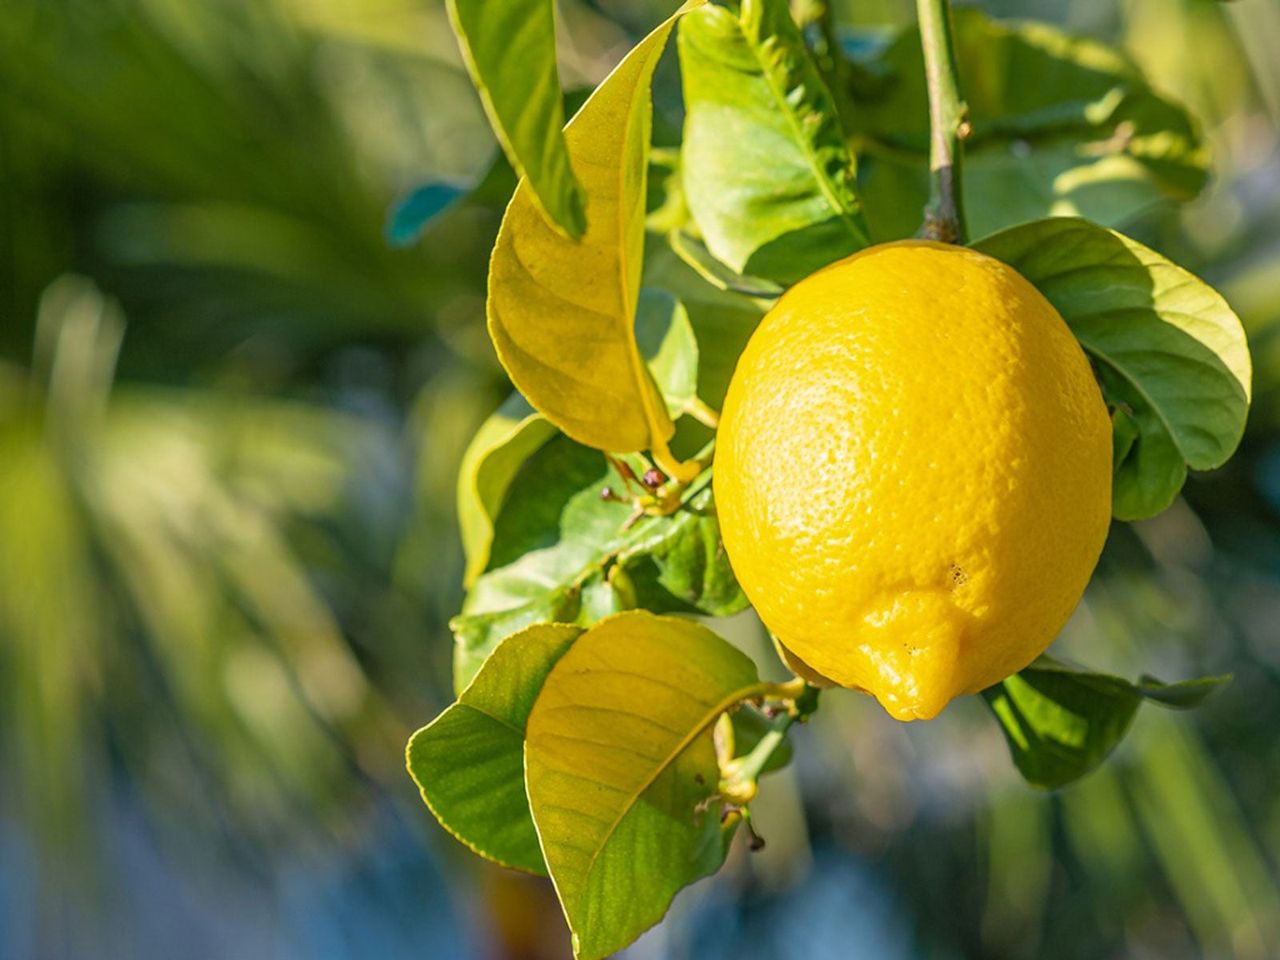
point(842, 909)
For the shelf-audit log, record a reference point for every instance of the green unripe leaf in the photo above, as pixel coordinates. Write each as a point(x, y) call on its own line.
point(1061, 722)
point(1170, 353)
point(469, 761)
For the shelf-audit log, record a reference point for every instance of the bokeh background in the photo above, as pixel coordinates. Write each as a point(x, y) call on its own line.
point(232, 406)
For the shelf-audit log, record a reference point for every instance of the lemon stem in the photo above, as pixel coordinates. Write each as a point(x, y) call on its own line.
point(948, 125)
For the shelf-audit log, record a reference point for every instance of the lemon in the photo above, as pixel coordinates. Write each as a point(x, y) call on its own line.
point(913, 473)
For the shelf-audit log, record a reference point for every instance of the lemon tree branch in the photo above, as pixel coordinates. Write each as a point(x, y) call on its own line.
point(948, 125)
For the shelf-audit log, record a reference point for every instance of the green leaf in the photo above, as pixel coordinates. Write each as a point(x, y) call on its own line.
point(562, 552)
point(510, 51)
point(620, 766)
point(699, 258)
point(722, 320)
point(1061, 722)
point(667, 343)
point(1168, 349)
point(497, 451)
point(562, 312)
point(1182, 695)
point(1062, 125)
point(682, 567)
point(469, 761)
point(768, 177)
point(478, 631)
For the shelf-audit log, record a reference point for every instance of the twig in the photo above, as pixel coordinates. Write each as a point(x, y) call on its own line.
point(948, 125)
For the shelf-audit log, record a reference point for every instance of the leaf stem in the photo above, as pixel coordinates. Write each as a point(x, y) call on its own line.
point(698, 409)
point(948, 125)
point(672, 495)
point(741, 776)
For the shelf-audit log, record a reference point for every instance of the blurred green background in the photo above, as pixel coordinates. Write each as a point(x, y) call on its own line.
point(231, 413)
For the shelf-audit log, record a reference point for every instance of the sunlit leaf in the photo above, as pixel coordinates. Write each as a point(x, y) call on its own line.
point(767, 173)
point(469, 761)
point(619, 766)
point(562, 313)
point(1062, 125)
point(510, 50)
point(1061, 722)
point(1168, 349)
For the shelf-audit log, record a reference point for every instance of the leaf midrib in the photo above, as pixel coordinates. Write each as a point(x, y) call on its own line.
point(826, 187)
point(638, 370)
point(736, 697)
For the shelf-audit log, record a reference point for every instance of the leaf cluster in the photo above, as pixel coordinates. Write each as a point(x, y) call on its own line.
point(623, 284)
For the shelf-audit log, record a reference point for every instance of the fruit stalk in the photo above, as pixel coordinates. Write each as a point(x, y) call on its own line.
point(948, 125)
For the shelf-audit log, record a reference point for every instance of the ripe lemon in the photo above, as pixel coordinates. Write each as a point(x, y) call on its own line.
point(913, 473)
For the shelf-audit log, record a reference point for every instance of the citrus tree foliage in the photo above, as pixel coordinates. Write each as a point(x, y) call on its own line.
point(601, 736)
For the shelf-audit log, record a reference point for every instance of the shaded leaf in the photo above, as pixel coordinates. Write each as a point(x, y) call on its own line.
point(469, 761)
point(768, 177)
point(562, 552)
point(1182, 695)
point(699, 258)
point(722, 320)
point(619, 765)
point(666, 341)
point(497, 451)
point(562, 313)
point(1062, 125)
point(684, 561)
point(665, 207)
point(1062, 722)
point(510, 51)
point(1168, 349)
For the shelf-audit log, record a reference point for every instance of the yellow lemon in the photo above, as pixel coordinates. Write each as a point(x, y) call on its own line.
point(913, 473)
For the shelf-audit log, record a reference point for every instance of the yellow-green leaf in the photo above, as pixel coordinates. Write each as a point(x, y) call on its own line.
point(562, 312)
point(469, 761)
point(619, 765)
point(510, 51)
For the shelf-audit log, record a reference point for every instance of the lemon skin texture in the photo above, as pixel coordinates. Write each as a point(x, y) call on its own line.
point(913, 473)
